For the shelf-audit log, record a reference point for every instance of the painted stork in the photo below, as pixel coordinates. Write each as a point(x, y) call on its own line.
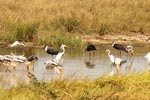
point(90, 48)
point(57, 61)
point(17, 43)
point(117, 62)
point(16, 59)
point(50, 51)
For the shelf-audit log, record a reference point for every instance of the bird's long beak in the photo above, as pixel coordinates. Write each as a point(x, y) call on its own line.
point(132, 52)
point(66, 46)
point(44, 46)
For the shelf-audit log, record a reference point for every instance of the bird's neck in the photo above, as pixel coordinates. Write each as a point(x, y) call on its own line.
point(63, 50)
point(46, 48)
point(108, 53)
point(113, 44)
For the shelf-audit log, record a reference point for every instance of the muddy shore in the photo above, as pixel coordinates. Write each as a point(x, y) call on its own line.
point(124, 39)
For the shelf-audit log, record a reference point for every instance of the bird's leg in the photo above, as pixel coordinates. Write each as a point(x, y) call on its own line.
point(89, 55)
point(0, 67)
point(7, 67)
point(52, 57)
point(93, 54)
point(14, 67)
point(33, 65)
point(118, 69)
point(120, 54)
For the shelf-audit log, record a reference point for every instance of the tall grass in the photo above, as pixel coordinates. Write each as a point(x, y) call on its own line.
point(130, 87)
point(79, 16)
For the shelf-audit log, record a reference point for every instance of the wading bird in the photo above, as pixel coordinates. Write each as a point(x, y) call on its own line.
point(50, 51)
point(31, 60)
point(117, 62)
point(119, 47)
point(91, 49)
point(147, 57)
point(129, 49)
point(57, 62)
point(17, 43)
point(60, 54)
point(57, 67)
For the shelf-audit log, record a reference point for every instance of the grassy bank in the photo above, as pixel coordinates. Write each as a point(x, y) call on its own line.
point(130, 87)
point(41, 20)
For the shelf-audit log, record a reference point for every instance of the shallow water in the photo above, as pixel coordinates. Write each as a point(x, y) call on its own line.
point(76, 64)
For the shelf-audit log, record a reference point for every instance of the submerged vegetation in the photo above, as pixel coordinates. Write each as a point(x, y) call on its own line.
point(130, 87)
point(37, 20)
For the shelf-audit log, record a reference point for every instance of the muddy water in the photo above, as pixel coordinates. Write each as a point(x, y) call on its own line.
point(76, 64)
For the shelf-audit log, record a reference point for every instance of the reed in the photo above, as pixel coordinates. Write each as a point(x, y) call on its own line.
point(130, 87)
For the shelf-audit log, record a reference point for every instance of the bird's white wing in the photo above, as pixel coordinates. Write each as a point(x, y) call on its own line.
point(118, 61)
point(147, 56)
point(112, 58)
point(14, 44)
point(59, 56)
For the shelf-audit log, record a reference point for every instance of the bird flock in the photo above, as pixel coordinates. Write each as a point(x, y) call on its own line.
point(57, 61)
point(116, 61)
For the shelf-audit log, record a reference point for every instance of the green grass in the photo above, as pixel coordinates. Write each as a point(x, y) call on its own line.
point(129, 87)
point(30, 20)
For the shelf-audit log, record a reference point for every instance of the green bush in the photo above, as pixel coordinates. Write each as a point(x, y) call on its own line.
point(26, 31)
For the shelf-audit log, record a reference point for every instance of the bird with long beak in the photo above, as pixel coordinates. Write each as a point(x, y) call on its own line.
point(129, 49)
point(117, 62)
point(147, 57)
point(17, 43)
point(50, 51)
point(60, 54)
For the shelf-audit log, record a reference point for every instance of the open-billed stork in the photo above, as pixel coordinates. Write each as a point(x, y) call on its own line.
point(57, 61)
point(91, 49)
point(50, 51)
point(117, 62)
point(119, 47)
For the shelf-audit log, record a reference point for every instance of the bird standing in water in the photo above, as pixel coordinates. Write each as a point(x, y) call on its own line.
point(147, 57)
point(117, 62)
point(129, 49)
point(17, 43)
point(57, 62)
point(91, 49)
point(50, 51)
point(119, 47)
point(31, 60)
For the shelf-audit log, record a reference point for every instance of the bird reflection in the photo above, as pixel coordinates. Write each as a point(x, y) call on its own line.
point(50, 67)
point(89, 63)
point(129, 66)
point(13, 80)
point(31, 78)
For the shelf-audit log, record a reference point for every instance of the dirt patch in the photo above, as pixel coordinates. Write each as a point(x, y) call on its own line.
point(107, 39)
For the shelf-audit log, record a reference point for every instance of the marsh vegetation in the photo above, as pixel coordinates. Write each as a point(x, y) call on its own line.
point(51, 21)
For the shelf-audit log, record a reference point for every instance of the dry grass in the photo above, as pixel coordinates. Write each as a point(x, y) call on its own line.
point(130, 87)
point(73, 17)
